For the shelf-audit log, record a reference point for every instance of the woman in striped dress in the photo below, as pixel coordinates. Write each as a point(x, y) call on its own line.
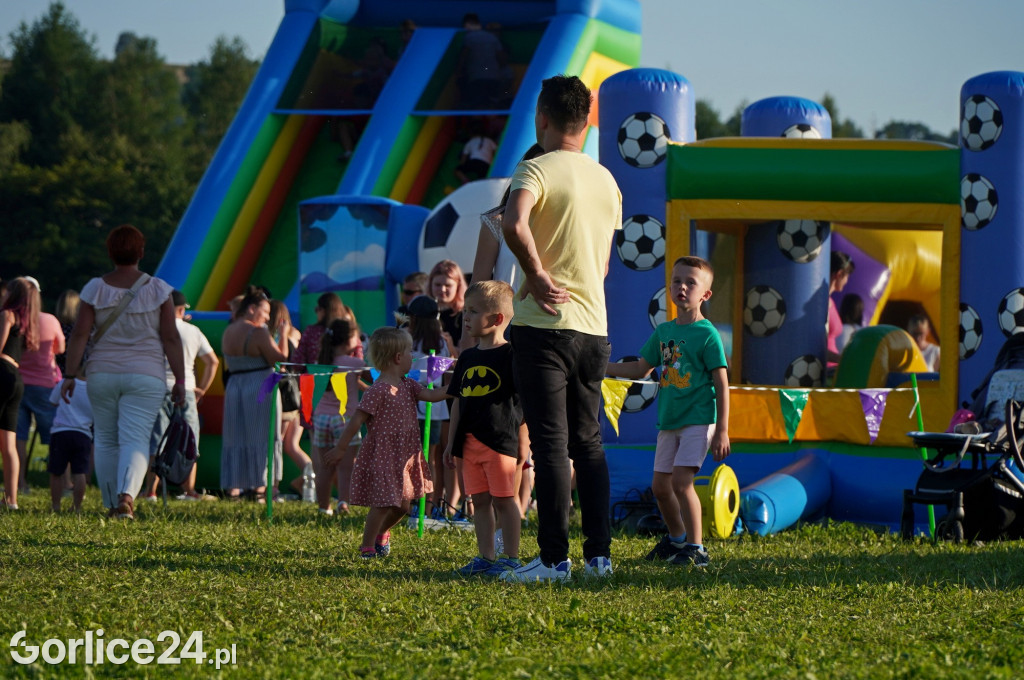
point(250, 354)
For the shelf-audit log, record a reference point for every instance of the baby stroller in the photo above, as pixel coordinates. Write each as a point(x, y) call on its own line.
point(986, 500)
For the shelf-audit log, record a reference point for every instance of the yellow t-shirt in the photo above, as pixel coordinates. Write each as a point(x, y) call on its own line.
point(578, 208)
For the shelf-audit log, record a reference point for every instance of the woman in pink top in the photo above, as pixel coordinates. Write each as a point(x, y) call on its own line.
point(39, 372)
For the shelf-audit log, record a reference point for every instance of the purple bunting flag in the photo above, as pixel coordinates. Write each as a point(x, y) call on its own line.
point(267, 386)
point(873, 403)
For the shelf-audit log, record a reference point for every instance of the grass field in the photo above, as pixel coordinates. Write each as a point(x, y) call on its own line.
point(816, 602)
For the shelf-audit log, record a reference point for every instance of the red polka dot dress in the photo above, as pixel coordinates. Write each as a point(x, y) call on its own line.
point(390, 468)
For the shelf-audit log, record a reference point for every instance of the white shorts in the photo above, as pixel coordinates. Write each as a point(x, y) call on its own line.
point(686, 447)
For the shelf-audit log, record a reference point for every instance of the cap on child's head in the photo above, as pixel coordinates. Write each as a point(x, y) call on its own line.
point(178, 299)
point(423, 307)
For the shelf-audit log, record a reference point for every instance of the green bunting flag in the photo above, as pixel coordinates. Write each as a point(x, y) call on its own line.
point(793, 403)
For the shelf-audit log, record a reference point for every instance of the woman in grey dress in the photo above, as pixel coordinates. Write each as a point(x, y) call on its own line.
point(249, 354)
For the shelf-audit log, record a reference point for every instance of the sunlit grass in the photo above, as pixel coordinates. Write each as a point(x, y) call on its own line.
point(292, 595)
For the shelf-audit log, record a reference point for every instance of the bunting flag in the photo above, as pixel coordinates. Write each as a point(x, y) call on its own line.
point(614, 393)
point(436, 366)
point(793, 403)
point(339, 383)
point(307, 385)
point(267, 386)
point(873, 403)
point(374, 374)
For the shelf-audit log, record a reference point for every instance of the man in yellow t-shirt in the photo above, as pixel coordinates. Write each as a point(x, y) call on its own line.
point(562, 212)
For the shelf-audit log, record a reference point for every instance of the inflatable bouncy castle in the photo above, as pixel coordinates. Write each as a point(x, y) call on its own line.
point(338, 174)
point(767, 209)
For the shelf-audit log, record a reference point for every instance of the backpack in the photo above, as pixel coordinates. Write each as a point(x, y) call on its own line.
point(176, 453)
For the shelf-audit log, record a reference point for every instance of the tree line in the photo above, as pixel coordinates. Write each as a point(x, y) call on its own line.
point(88, 143)
point(709, 123)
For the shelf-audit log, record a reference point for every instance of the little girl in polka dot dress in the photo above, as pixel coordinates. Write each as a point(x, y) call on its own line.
point(389, 471)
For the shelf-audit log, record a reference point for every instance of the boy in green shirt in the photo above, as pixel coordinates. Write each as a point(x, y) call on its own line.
point(693, 408)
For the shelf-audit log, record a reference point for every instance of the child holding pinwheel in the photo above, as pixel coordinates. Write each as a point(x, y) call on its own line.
point(389, 471)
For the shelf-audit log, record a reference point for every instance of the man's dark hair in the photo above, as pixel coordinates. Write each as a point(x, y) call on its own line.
point(565, 100)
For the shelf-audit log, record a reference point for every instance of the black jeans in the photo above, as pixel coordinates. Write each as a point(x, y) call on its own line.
point(558, 375)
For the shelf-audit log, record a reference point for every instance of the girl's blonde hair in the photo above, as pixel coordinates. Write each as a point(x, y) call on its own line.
point(67, 307)
point(23, 301)
point(450, 269)
point(385, 343)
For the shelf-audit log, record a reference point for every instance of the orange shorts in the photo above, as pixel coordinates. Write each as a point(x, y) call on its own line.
point(484, 469)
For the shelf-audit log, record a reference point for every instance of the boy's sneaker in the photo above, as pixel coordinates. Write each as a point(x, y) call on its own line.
point(502, 565)
point(666, 549)
point(538, 571)
point(698, 557)
point(478, 565)
point(598, 566)
point(383, 545)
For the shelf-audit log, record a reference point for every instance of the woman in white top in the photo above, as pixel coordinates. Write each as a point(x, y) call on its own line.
point(126, 374)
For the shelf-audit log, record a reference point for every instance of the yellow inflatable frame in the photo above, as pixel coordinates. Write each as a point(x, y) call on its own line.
point(724, 185)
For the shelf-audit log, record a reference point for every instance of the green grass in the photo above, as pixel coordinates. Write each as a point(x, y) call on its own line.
point(816, 602)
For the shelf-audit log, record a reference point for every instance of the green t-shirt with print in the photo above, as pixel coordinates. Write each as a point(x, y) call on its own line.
point(685, 355)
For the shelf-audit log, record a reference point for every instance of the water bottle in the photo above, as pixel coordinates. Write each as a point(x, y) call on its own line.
point(308, 484)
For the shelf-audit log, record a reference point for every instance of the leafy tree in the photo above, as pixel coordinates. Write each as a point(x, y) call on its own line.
point(211, 96)
point(76, 161)
point(52, 83)
point(840, 128)
point(900, 129)
point(709, 123)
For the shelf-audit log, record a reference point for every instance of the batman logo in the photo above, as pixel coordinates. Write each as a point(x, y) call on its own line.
point(479, 381)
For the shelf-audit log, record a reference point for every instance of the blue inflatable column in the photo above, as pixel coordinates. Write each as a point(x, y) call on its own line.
point(786, 267)
point(640, 110)
point(992, 220)
point(798, 491)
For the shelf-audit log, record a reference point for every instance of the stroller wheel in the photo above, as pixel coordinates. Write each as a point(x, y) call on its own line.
point(951, 530)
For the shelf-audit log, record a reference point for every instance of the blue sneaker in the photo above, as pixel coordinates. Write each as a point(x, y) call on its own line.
point(383, 545)
point(503, 564)
point(538, 571)
point(477, 565)
point(598, 566)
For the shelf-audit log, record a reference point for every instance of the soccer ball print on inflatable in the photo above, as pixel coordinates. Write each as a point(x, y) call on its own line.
point(804, 371)
point(452, 229)
point(641, 393)
point(970, 331)
point(764, 311)
point(981, 124)
point(1011, 312)
point(643, 138)
point(978, 201)
point(801, 240)
point(801, 131)
point(657, 308)
point(641, 242)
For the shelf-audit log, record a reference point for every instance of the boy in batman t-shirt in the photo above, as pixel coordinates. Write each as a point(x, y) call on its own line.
point(485, 420)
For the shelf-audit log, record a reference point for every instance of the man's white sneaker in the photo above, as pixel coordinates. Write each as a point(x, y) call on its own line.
point(598, 566)
point(538, 571)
